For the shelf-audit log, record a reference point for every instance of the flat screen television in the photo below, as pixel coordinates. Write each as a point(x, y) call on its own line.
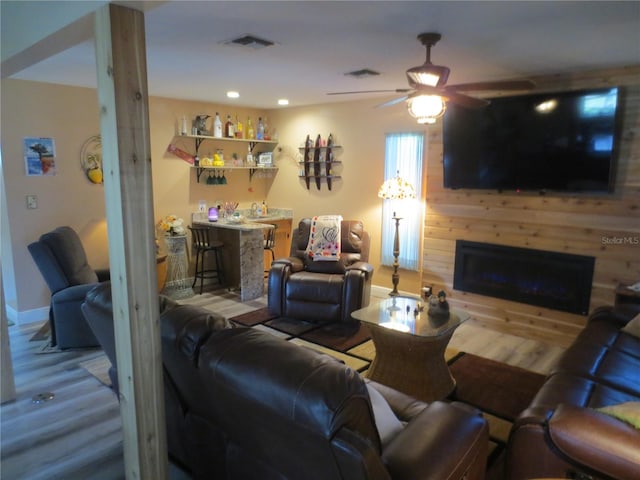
point(562, 141)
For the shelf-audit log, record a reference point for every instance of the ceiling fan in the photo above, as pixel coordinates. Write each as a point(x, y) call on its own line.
point(428, 92)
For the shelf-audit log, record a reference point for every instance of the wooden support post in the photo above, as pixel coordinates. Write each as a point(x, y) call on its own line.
point(124, 112)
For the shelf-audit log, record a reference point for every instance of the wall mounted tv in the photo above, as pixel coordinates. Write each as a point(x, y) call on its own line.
point(562, 141)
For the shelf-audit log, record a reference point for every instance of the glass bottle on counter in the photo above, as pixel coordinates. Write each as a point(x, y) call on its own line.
point(217, 127)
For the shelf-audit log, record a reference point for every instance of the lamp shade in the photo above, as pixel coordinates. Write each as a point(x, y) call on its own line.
point(396, 188)
point(426, 108)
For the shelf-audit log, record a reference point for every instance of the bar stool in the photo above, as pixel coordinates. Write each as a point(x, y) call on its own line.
point(269, 243)
point(203, 245)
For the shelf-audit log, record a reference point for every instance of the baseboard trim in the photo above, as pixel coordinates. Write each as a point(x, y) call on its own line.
point(27, 316)
point(383, 292)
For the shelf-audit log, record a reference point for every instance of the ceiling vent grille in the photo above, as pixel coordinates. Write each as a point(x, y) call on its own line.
point(250, 41)
point(363, 73)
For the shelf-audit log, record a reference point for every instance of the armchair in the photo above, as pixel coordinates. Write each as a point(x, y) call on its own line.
point(322, 292)
point(62, 261)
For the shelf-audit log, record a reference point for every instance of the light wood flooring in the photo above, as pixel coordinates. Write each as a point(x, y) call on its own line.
point(78, 435)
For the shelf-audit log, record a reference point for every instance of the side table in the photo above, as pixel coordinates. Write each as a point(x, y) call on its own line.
point(177, 285)
point(625, 295)
point(410, 347)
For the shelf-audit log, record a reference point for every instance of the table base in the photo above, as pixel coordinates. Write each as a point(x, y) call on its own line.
point(412, 365)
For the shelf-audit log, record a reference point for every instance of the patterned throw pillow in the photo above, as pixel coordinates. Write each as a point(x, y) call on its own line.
point(628, 412)
point(633, 327)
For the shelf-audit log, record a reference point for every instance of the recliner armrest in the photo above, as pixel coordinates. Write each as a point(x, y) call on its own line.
point(364, 267)
point(76, 293)
point(596, 440)
point(441, 442)
point(294, 263)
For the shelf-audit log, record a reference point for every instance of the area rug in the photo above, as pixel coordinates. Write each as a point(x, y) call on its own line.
point(496, 388)
point(99, 368)
point(335, 336)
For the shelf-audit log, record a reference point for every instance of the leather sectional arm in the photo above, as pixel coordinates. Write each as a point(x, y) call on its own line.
point(596, 440)
point(437, 442)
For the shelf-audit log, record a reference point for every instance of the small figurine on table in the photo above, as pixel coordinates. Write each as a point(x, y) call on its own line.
point(438, 306)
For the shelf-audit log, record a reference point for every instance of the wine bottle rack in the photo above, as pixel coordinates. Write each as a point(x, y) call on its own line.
point(318, 163)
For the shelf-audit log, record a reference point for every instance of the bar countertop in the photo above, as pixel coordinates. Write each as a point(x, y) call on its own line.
point(248, 224)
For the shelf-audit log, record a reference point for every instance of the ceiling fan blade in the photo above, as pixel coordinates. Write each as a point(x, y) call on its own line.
point(392, 102)
point(499, 85)
point(465, 100)
point(397, 90)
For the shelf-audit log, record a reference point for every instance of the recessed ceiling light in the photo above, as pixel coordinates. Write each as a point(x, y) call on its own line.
point(283, 101)
point(232, 94)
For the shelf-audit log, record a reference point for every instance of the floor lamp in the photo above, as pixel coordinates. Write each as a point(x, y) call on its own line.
point(396, 189)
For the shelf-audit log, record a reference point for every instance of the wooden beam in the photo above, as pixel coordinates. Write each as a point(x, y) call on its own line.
point(124, 111)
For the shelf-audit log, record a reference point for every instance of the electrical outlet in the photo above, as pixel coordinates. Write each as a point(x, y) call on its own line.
point(32, 202)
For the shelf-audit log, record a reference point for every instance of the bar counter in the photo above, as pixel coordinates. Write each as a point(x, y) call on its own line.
point(243, 259)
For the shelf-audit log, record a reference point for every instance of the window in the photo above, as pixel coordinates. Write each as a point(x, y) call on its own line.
point(403, 156)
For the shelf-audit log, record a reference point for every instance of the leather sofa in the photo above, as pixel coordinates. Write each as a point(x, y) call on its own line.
point(175, 321)
point(322, 292)
point(259, 407)
point(242, 404)
point(62, 261)
point(562, 434)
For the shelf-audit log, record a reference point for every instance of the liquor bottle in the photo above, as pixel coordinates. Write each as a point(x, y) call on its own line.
point(217, 127)
point(250, 134)
point(267, 132)
point(239, 132)
point(229, 130)
point(249, 156)
point(260, 135)
point(183, 130)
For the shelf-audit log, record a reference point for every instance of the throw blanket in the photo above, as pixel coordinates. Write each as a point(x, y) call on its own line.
point(324, 238)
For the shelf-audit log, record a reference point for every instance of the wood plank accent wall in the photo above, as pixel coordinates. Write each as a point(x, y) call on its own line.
point(577, 224)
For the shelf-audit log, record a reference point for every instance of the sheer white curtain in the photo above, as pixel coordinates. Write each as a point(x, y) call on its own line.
point(403, 156)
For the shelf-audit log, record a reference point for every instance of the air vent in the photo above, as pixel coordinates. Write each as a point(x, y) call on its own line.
point(250, 41)
point(363, 73)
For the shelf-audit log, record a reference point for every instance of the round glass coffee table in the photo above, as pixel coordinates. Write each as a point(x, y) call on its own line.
point(410, 346)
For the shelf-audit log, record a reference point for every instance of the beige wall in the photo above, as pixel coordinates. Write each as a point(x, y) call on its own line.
point(69, 115)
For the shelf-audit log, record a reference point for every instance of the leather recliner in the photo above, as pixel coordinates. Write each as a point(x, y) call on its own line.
point(62, 261)
point(326, 291)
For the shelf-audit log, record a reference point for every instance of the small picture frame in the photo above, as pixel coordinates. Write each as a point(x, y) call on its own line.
point(265, 159)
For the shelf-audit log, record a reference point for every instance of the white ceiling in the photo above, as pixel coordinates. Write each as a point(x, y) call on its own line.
point(318, 42)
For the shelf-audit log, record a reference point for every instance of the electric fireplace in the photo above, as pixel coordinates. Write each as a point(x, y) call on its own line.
point(553, 280)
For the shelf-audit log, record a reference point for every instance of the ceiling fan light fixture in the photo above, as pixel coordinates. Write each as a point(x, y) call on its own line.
point(428, 74)
point(426, 108)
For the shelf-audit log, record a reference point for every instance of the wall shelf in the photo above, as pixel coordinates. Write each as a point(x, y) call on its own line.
point(198, 139)
point(252, 143)
point(252, 170)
